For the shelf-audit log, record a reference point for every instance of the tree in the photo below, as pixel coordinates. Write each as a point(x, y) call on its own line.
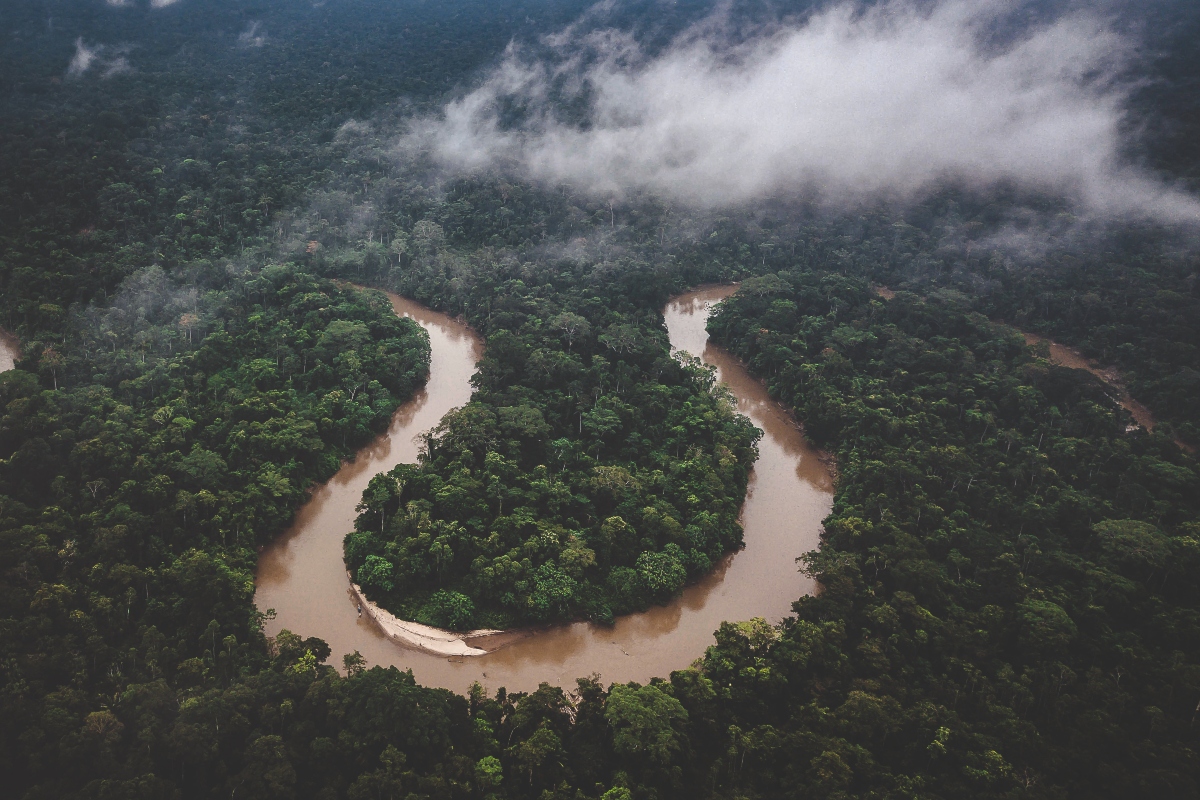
point(663, 572)
point(571, 325)
point(541, 750)
point(488, 773)
point(646, 722)
point(452, 610)
point(376, 573)
point(268, 773)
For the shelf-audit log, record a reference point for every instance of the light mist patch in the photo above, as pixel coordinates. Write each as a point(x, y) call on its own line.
point(108, 61)
point(83, 59)
point(252, 36)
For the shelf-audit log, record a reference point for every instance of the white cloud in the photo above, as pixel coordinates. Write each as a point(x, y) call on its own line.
point(354, 127)
point(162, 3)
point(851, 104)
point(83, 59)
point(109, 61)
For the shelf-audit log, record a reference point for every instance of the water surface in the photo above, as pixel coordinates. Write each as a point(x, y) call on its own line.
point(1071, 358)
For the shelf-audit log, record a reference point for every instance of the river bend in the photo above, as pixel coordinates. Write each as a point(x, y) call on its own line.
point(301, 575)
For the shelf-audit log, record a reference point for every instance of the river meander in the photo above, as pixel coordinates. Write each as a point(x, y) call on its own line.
point(301, 575)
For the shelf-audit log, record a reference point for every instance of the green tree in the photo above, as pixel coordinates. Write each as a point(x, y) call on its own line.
point(646, 722)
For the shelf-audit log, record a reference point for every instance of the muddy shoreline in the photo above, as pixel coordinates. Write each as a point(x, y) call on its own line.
point(10, 350)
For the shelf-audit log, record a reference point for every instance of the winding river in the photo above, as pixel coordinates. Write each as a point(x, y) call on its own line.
point(301, 575)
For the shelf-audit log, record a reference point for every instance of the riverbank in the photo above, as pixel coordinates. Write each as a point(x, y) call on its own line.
point(10, 350)
point(431, 639)
point(1069, 357)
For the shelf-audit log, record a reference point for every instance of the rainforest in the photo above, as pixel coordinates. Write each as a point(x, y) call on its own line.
point(624, 401)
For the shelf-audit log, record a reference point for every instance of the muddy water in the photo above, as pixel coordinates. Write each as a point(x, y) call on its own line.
point(1071, 358)
point(302, 576)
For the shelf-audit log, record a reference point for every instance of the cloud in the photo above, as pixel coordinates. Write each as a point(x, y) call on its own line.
point(162, 3)
point(86, 57)
point(850, 104)
point(353, 127)
point(251, 36)
point(83, 59)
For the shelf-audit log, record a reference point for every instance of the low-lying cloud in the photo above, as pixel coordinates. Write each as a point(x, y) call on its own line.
point(129, 3)
point(851, 105)
point(83, 59)
point(108, 61)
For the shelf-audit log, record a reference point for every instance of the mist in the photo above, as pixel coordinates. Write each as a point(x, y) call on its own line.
point(83, 59)
point(109, 61)
point(847, 106)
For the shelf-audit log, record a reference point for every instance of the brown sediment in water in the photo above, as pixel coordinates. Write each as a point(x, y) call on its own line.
point(303, 578)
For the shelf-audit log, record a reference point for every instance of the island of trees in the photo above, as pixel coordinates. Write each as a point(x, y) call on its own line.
point(591, 474)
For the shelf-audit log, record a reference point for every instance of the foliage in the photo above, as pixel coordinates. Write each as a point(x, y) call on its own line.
point(135, 494)
point(999, 611)
point(1009, 594)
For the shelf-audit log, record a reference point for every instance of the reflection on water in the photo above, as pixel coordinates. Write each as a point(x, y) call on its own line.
point(303, 578)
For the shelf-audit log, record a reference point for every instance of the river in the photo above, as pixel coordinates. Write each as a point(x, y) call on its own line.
point(1064, 356)
point(1071, 358)
point(301, 575)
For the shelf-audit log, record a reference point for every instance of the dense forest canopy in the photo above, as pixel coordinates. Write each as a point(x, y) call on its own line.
point(590, 475)
point(1008, 605)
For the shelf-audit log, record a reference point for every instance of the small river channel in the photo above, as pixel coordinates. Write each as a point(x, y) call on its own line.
point(301, 575)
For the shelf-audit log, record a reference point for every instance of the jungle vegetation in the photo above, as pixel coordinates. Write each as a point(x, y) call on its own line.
point(1009, 604)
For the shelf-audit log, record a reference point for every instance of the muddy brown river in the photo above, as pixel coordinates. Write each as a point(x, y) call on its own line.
point(301, 575)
